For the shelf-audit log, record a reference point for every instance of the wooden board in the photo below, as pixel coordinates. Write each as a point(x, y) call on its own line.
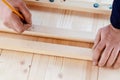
point(45, 48)
point(57, 68)
point(26, 66)
point(47, 40)
point(14, 65)
point(109, 74)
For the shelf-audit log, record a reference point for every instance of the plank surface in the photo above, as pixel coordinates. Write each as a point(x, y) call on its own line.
point(45, 48)
point(109, 74)
point(58, 68)
point(15, 65)
point(55, 32)
point(47, 40)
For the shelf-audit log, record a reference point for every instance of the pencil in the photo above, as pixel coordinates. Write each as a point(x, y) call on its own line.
point(13, 9)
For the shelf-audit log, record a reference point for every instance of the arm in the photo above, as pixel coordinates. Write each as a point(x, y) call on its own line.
point(115, 16)
point(11, 20)
point(106, 49)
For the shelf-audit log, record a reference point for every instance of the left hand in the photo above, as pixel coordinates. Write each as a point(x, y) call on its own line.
point(106, 49)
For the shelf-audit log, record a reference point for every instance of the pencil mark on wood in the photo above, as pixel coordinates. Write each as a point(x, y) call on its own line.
point(60, 75)
point(22, 62)
point(25, 70)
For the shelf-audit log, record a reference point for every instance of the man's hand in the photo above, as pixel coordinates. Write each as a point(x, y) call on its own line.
point(13, 21)
point(106, 48)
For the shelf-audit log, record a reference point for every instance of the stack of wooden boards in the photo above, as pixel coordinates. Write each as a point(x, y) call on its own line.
point(62, 35)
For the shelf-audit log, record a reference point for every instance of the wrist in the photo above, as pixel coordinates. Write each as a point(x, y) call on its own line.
point(115, 29)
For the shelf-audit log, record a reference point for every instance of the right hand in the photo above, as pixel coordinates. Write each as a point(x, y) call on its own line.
point(11, 20)
point(106, 48)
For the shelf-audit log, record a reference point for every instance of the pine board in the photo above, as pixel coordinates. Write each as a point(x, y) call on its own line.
point(109, 74)
point(19, 65)
point(58, 68)
point(45, 48)
point(14, 65)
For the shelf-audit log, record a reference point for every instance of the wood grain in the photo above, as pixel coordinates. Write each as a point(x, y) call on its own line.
point(58, 68)
point(45, 48)
point(47, 40)
point(109, 74)
point(15, 65)
point(55, 32)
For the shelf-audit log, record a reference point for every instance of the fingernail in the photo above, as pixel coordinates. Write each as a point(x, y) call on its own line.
point(19, 30)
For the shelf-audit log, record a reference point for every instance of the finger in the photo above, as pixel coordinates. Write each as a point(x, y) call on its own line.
point(113, 57)
point(14, 22)
point(97, 39)
point(117, 63)
point(17, 24)
point(27, 26)
point(105, 55)
point(97, 52)
point(25, 11)
point(7, 23)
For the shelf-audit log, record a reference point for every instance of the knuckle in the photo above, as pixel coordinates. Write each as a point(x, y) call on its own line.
point(20, 3)
point(106, 54)
point(29, 15)
point(100, 30)
point(5, 22)
point(114, 54)
point(98, 49)
point(9, 15)
point(95, 59)
point(101, 64)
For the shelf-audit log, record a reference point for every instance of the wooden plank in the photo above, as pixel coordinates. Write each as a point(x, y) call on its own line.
point(47, 40)
point(58, 68)
point(45, 48)
point(92, 71)
point(109, 74)
point(67, 42)
point(38, 67)
point(83, 6)
point(58, 33)
point(18, 36)
point(15, 65)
